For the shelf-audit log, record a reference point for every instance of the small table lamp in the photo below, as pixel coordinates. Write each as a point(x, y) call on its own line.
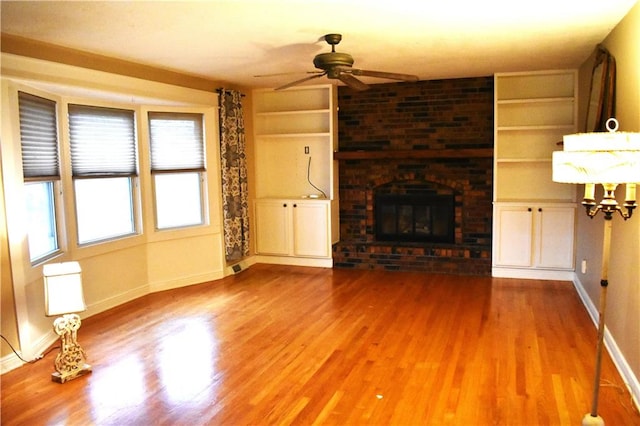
point(610, 159)
point(63, 296)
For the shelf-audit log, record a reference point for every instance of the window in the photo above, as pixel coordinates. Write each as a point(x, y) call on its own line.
point(104, 168)
point(104, 208)
point(177, 165)
point(40, 166)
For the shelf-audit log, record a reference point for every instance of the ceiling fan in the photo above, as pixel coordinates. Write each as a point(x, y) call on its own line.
point(337, 65)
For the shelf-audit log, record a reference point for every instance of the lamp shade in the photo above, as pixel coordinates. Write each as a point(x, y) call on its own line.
point(612, 157)
point(63, 288)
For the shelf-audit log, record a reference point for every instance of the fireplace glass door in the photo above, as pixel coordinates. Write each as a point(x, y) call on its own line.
point(414, 218)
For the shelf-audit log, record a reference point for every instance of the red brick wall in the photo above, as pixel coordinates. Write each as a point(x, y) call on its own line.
point(433, 115)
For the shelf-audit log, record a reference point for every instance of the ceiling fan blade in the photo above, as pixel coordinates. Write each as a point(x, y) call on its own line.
point(302, 80)
point(352, 82)
point(382, 74)
point(288, 73)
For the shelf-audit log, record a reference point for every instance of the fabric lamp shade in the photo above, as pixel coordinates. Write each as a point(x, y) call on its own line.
point(612, 157)
point(63, 288)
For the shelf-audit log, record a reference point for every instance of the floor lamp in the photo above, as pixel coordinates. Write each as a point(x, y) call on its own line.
point(608, 158)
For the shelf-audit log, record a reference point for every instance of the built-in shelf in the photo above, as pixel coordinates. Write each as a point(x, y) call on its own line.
point(524, 160)
point(569, 127)
point(295, 132)
point(533, 111)
point(534, 100)
point(533, 216)
point(292, 135)
point(294, 139)
point(294, 112)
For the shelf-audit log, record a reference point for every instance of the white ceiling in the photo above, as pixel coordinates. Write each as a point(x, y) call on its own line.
point(232, 41)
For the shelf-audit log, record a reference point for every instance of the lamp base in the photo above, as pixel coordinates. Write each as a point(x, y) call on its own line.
point(589, 420)
point(62, 378)
point(70, 362)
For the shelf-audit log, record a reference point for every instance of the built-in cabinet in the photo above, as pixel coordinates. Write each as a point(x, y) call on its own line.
point(296, 206)
point(293, 228)
point(534, 236)
point(534, 217)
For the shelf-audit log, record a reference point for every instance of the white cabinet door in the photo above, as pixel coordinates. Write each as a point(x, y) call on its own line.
point(273, 227)
point(286, 227)
point(534, 236)
point(514, 236)
point(311, 229)
point(555, 237)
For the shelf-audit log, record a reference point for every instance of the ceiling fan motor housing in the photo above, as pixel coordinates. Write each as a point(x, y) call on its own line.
point(329, 61)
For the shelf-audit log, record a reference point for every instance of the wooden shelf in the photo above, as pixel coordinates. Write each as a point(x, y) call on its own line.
point(293, 135)
point(293, 112)
point(423, 153)
point(569, 127)
point(524, 160)
point(534, 100)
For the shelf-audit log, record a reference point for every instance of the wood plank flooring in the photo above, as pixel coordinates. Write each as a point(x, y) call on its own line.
point(293, 345)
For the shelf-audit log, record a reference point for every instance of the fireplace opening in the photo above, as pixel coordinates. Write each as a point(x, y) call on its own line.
point(414, 217)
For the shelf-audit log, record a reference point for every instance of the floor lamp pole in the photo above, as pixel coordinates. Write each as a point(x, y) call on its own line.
point(593, 419)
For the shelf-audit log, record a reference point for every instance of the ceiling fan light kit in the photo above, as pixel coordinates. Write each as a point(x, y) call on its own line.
point(339, 66)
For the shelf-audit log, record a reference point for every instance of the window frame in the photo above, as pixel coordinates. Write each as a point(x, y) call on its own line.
point(58, 212)
point(118, 242)
point(201, 171)
point(202, 178)
point(209, 183)
point(132, 183)
point(56, 181)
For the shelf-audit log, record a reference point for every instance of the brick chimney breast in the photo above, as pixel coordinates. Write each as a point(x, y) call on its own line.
point(436, 133)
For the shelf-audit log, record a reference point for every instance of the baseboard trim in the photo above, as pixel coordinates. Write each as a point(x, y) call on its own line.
point(295, 261)
point(113, 301)
point(186, 281)
point(630, 379)
point(532, 274)
point(239, 266)
point(10, 362)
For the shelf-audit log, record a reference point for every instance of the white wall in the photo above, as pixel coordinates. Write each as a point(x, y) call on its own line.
point(623, 295)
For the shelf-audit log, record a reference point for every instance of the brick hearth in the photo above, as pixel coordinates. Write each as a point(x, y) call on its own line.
point(437, 133)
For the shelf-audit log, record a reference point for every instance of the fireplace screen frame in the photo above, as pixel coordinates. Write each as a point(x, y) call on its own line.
point(416, 218)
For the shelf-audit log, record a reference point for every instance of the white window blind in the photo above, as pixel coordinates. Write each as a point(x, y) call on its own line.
point(39, 137)
point(103, 141)
point(177, 142)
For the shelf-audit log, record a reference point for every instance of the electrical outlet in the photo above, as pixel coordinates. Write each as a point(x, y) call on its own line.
point(584, 266)
point(306, 149)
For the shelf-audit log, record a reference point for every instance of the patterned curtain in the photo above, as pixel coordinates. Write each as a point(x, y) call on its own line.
point(235, 204)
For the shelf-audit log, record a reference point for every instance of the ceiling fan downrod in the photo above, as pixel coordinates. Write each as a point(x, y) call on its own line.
point(333, 39)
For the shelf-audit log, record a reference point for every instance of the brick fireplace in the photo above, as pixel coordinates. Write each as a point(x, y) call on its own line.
point(414, 212)
point(423, 141)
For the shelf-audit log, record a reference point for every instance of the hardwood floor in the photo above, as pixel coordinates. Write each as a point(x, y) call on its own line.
point(293, 345)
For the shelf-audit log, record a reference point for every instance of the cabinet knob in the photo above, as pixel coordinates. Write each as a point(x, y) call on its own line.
point(284, 205)
point(295, 205)
point(540, 209)
point(529, 209)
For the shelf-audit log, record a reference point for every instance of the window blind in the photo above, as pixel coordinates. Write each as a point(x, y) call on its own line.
point(177, 142)
point(103, 141)
point(38, 137)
